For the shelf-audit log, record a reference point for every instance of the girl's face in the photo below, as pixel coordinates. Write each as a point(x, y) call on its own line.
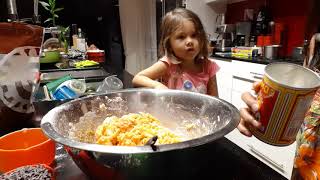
point(185, 42)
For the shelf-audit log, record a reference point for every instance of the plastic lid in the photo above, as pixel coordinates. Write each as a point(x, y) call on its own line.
point(78, 86)
point(114, 83)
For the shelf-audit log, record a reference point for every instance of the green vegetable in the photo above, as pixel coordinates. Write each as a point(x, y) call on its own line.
point(85, 63)
point(50, 6)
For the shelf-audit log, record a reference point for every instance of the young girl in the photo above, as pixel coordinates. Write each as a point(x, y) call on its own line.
point(184, 64)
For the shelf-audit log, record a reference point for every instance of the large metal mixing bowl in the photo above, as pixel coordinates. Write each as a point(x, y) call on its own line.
point(212, 118)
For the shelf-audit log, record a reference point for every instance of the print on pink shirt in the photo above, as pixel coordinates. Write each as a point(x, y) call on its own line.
point(189, 81)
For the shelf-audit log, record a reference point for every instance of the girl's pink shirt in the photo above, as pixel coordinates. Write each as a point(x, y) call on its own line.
point(176, 78)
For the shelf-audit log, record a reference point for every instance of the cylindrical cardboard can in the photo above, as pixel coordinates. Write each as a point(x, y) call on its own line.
point(285, 95)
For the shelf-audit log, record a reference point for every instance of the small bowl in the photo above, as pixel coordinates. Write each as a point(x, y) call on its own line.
point(50, 56)
point(25, 147)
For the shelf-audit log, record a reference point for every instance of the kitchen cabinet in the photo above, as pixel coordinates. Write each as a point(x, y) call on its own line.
point(224, 79)
point(278, 158)
point(243, 74)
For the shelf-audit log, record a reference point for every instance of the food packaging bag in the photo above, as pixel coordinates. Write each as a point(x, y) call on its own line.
point(19, 74)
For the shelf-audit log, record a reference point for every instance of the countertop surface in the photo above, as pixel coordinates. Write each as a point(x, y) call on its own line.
point(220, 159)
point(259, 60)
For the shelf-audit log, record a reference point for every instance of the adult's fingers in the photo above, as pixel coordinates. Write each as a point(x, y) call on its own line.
point(256, 86)
point(248, 118)
point(244, 129)
point(251, 101)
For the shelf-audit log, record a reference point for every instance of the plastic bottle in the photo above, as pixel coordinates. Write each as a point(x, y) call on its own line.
point(71, 88)
point(81, 41)
point(74, 36)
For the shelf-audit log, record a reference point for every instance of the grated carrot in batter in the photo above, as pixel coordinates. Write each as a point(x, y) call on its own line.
point(133, 129)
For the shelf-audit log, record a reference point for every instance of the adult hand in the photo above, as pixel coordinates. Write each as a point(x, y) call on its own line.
point(247, 120)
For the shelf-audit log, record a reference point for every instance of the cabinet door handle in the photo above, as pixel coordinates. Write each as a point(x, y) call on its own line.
point(263, 156)
point(254, 73)
point(243, 79)
point(257, 77)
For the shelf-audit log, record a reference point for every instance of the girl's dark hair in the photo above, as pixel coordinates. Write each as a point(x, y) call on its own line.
point(172, 21)
point(312, 48)
point(313, 21)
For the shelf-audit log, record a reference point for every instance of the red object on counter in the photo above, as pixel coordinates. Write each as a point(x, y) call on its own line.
point(96, 55)
point(278, 33)
point(267, 40)
point(90, 166)
point(260, 41)
point(264, 41)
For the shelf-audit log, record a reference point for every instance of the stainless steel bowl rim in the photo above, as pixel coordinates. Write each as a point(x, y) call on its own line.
point(48, 129)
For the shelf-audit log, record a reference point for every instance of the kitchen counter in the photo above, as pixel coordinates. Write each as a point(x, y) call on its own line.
point(259, 60)
point(220, 159)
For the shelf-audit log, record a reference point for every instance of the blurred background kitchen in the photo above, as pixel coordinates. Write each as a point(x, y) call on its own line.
point(98, 45)
point(265, 28)
point(92, 40)
point(277, 29)
point(95, 39)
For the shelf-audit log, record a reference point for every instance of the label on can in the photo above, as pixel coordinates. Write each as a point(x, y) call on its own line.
point(281, 112)
point(297, 116)
point(266, 100)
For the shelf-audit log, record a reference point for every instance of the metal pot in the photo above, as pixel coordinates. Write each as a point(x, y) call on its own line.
point(213, 117)
point(272, 51)
point(297, 53)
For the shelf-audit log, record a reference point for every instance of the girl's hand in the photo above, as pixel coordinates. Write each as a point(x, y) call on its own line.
point(213, 87)
point(247, 119)
point(161, 86)
point(147, 77)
